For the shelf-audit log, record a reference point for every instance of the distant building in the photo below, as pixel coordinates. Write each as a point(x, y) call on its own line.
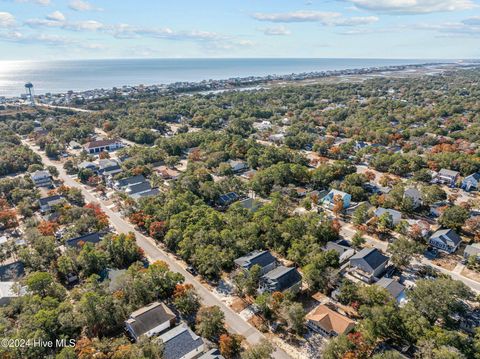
point(47, 203)
point(328, 322)
point(281, 279)
point(471, 182)
point(182, 343)
point(264, 259)
point(369, 264)
point(238, 166)
point(102, 145)
point(446, 240)
point(344, 252)
point(415, 195)
point(150, 320)
point(447, 177)
point(330, 198)
point(395, 216)
point(108, 167)
point(228, 198)
point(78, 242)
point(42, 179)
point(472, 250)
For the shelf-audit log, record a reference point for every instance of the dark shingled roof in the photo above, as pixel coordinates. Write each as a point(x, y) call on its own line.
point(368, 259)
point(282, 278)
point(52, 199)
point(130, 180)
point(12, 271)
point(90, 238)
point(139, 187)
point(340, 249)
point(262, 258)
point(392, 286)
point(148, 317)
point(180, 341)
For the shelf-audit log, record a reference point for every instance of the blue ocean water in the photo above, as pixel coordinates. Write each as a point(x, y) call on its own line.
point(62, 76)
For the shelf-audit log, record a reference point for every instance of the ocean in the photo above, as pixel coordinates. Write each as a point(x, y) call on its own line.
point(80, 75)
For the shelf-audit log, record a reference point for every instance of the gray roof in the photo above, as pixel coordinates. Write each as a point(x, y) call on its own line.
point(392, 286)
point(282, 278)
point(149, 317)
point(180, 341)
point(340, 249)
point(447, 234)
point(212, 354)
point(107, 163)
point(37, 175)
point(138, 187)
point(52, 200)
point(12, 271)
point(130, 180)
point(90, 238)
point(149, 193)
point(368, 259)
point(448, 173)
point(472, 250)
point(262, 258)
point(475, 176)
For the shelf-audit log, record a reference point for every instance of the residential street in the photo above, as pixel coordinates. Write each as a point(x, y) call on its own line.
point(234, 322)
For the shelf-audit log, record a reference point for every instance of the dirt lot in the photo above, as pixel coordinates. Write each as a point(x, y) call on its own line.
point(445, 261)
point(474, 275)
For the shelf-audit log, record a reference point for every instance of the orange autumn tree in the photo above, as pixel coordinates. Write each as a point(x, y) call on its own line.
point(47, 228)
point(157, 229)
point(8, 218)
point(100, 215)
point(230, 345)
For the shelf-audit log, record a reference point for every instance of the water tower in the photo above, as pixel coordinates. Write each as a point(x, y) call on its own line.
point(30, 94)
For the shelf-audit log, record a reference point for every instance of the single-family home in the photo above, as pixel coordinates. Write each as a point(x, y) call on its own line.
point(47, 203)
point(108, 167)
point(415, 195)
point(212, 354)
point(250, 204)
point(471, 182)
point(238, 166)
point(331, 197)
point(228, 198)
point(181, 343)
point(78, 242)
point(98, 146)
point(121, 184)
point(392, 286)
point(167, 173)
point(328, 322)
point(150, 320)
point(472, 250)
point(9, 275)
point(88, 165)
point(42, 179)
point(395, 216)
point(137, 188)
point(368, 264)
point(447, 177)
point(248, 175)
point(446, 240)
point(264, 259)
point(344, 251)
point(143, 194)
point(281, 279)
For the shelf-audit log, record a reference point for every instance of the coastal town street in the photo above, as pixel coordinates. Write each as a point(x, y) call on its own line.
point(234, 322)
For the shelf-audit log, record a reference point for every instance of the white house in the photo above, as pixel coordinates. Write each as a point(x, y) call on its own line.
point(446, 240)
point(102, 145)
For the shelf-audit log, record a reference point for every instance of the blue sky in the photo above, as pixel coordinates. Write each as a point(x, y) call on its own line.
point(78, 29)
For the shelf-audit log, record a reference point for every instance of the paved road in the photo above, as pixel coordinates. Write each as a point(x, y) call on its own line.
point(234, 322)
point(63, 107)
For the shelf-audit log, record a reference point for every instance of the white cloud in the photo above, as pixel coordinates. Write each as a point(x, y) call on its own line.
point(276, 31)
point(80, 5)
point(6, 19)
point(413, 6)
point(56, 16)
point(325, 18)
point(39, 2)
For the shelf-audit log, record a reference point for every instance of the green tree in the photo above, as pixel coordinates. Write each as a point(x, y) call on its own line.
point(263, 350)
point(454, 217)
point(210, 323)
point(402, 251)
